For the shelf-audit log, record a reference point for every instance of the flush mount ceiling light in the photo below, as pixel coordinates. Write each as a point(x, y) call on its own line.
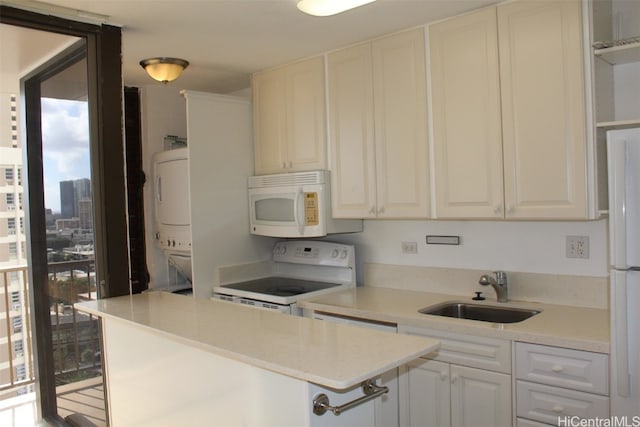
point(164, 69)
point(329, 7)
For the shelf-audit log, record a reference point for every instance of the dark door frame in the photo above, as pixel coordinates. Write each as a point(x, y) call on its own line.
point(104, 70)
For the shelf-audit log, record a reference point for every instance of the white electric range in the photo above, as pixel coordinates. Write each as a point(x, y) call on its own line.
point(300, 269)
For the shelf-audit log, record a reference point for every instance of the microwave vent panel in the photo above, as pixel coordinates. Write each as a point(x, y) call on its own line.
point(288, 179)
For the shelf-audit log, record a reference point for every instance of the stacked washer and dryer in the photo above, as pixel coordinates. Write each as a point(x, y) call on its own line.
point(173, 217)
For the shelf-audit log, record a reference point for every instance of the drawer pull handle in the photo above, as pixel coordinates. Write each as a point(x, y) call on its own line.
point(443, 376)
point(558, 409)
point(557, 368)
point(454, 379)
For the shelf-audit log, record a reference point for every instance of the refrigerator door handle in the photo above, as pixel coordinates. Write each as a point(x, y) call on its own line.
point(617, 197)
point(620, 338)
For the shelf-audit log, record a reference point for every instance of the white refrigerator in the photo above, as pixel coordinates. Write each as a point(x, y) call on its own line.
point(623, 150)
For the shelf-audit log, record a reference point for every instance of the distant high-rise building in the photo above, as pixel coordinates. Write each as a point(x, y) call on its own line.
point(85, 213)
point(12, 235)
point(82, 188)
point(71, 193)
point(67, 199)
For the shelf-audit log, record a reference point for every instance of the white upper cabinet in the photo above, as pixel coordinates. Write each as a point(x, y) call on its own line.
point(467, 128)
point(378, 128)
point(269, 121)
point(509, 113)
point(543, 109)
point(400, 106)
point(289, 118)
point(351, 139)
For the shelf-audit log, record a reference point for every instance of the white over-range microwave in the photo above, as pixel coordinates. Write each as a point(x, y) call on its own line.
point(295, 205)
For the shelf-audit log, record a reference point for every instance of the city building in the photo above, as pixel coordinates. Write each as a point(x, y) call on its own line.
point(14, 342)
point(85, 213)
point(67, 196)
point(72, 192)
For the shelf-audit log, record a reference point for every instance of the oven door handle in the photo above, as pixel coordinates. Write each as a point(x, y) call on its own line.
point(298, 207)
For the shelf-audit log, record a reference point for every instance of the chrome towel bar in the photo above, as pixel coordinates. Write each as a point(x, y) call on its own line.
point(369, 388)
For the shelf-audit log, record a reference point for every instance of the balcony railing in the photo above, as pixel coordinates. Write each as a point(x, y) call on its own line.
point(16, 365)
point(75, 336)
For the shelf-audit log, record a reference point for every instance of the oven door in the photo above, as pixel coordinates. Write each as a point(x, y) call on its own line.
point(286, 212)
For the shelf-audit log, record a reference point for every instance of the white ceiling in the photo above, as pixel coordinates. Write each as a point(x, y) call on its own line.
point(226, 40)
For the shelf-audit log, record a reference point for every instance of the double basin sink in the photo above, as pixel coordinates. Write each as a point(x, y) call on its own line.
point(481, 312)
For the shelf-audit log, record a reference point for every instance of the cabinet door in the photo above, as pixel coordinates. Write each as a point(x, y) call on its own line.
point(424, 394)
point(480, 398)
point(269, 122)
point(400, 99)
point(305, 115)
point(467, 133)
point(543, 109)
point(351, 133)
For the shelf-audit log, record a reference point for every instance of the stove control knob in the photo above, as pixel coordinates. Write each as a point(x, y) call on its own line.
point(334, 253)
point(343, 255)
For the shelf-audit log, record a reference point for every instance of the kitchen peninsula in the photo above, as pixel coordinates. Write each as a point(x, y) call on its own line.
point(174, 360)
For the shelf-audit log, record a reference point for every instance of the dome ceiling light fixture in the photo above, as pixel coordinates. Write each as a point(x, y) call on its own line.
point(164, 69)
point(329, 7)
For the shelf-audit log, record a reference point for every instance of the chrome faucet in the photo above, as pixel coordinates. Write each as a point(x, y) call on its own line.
point(499, 284)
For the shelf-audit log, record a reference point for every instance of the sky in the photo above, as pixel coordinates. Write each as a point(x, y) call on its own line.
point(65, 145)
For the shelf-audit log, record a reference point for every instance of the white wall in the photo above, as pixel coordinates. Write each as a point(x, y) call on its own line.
point(533, 247)
point(627, 91)
point(163, 113)
point(220, 160)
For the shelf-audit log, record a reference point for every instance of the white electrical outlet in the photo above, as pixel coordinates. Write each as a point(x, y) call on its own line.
point(409, 247)
point(578, 247)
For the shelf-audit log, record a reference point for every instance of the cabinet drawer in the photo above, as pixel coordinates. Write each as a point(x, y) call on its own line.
point(574, 369)
point(522, 422)
point(545, 403)
point(477, 352)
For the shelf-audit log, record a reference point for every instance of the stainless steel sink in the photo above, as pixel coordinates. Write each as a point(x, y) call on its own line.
point(484, 313)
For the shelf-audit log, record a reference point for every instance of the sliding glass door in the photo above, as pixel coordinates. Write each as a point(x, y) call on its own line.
point(72, 106)
point(60, 93)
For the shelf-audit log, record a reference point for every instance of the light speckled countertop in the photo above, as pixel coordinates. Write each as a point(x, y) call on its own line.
point(331, 355)
point(557, 325)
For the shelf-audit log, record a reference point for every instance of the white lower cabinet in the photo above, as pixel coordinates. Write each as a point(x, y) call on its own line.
point(426, 392)
point(436, 392)
point(555, 384)
point(479, 397)
point(467, 382)
point(441, 394)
